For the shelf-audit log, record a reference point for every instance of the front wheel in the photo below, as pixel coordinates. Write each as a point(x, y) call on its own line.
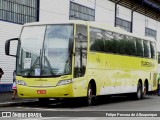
point(139, 91)
point(90, 95)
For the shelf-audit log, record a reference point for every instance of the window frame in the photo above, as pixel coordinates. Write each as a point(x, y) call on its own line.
point(17, 11)
point(81, 12)
point(122, 24)
point(150, 33)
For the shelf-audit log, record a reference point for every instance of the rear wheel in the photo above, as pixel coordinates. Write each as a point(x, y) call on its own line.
point(145, 90)
point(158, 87)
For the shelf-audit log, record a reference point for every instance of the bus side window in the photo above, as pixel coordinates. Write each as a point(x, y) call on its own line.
point(153, 50)
point(120, 43)
point(146, 49)
point(97, 40)
point(139, 47)
point(109, 42)
point(131, 46)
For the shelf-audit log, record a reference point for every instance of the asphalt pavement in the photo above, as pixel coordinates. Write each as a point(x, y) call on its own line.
point(6, 100)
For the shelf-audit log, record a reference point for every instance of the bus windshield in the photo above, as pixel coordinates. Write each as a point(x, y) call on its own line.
point(44, 51)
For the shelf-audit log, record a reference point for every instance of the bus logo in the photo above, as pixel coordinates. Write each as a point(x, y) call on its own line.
point(147, 64)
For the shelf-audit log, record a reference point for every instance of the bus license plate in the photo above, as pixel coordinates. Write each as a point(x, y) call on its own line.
point(41, 91)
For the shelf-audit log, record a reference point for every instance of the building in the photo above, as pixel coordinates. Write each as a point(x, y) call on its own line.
point(141, 17)
point(13, 13)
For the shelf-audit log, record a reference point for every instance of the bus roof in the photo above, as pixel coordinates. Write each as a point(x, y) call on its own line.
point(57, 22)
point(93, 24)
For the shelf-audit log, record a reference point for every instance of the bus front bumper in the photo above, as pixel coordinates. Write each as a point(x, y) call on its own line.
point(63, 91)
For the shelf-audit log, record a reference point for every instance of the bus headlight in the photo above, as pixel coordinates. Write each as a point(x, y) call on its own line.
point(21, 82)
point(63, 82)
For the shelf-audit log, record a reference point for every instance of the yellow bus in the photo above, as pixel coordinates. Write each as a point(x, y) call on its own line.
point(73, 59)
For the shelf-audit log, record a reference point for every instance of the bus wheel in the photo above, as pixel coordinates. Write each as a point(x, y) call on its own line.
point(158, 87)
point(139, 91)
point(145, 90)
point(89, 95)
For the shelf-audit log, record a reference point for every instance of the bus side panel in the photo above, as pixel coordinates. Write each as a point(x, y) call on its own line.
point(120, 74)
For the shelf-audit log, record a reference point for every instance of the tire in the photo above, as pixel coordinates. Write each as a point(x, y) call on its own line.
point(139, 91)
point(90, 98)
point(158, 88)
point(145, 89)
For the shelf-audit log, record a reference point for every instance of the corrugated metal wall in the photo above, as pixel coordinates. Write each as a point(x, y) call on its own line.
point(7, 63)
point(51, 10)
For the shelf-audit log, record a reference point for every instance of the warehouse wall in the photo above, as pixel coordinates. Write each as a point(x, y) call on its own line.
point(7, 63)
point(105, 12)
point(51, 10)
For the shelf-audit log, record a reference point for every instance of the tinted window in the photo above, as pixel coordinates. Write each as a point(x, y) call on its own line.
point(109, 42)
point(131, 46)
point(139, 46)
point(121, 43)
point(153, 50)
point(97, 40)
point(146, 49)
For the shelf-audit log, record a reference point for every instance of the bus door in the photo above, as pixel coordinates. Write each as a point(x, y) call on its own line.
point(80, 58)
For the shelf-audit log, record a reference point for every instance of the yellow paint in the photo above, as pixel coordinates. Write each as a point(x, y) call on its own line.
point(106, 69)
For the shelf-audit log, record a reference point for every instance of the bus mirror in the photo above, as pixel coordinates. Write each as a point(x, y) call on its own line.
point(10, 47)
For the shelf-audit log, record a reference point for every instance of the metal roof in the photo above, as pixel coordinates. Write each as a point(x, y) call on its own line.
point(149, 8)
